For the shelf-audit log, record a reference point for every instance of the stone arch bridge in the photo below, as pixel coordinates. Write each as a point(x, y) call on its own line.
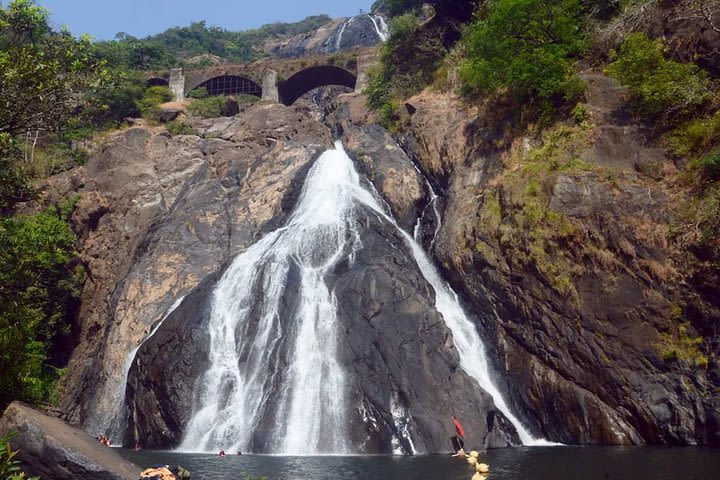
point(274, 80)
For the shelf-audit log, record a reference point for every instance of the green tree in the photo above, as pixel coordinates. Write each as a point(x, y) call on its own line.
point(662, 89)
point(527, 47)
point(115, 100)
point(39, 290)
point(43, 74)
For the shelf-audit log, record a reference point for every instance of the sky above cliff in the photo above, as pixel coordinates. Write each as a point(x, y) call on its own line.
point(105, 18)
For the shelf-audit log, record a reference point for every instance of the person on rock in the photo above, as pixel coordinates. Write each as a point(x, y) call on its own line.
point(457, 440)
point(222, 453)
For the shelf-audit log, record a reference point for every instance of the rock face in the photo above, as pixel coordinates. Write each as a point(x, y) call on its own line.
point(403, 371)
point(582, 304)
point(339, 35)
point(160, 213)
point(160, 219)
point(49, 448)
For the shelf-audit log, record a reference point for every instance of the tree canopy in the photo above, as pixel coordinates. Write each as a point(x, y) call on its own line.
point(43, 74)
point(526, 46)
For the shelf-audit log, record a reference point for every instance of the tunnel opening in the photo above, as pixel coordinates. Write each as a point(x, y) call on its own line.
point(312, 78)
point(157, 82)
point(230, 85)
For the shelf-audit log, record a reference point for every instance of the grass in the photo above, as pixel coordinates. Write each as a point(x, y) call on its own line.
point(682, 347)
point(532, 234)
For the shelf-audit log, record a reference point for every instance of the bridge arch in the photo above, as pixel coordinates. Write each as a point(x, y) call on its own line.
point(313, 77)
point(157, 82)
point(229, 85)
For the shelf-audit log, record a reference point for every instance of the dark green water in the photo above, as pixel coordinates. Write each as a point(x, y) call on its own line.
point(537, 463)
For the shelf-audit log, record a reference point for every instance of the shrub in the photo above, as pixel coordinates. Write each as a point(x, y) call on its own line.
point(580, 113)
point(41, 289)
point(115, 99)
point(149, 104)
point(408, 61)
point(695, 137)
point(710, 165)
point(662, 89)
point(200, 92)
point(210, 107)
point(389, 115)
point(176, 127)
point(527, 47)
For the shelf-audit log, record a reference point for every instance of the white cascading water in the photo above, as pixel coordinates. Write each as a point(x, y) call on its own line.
point(310, 408)
point(338, 40)
point(311, 412)
point(381, 27)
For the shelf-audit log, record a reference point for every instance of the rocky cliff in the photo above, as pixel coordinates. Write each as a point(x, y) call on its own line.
point(601, 324)
point(604, 327)
point(162, 216)
point(342, 34)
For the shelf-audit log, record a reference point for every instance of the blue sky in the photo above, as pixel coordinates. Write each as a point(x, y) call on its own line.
point(104, 18)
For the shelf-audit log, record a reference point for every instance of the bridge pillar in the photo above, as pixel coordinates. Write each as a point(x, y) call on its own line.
point(364, 63)
point(177, 83)
point(270, 87)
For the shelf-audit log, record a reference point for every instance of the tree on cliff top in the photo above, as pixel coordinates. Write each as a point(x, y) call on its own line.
point(527, 47)
point(43, 74)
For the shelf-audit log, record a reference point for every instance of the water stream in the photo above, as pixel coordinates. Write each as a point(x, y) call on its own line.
point(249, 337)
point(381, 27)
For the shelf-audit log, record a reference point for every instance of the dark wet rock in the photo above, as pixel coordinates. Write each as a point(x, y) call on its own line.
point(582, 369)
point(168, 114)
point(401, 357)
point(162, 377)
point(52, 449)
point(404, 378)
point(158, 214)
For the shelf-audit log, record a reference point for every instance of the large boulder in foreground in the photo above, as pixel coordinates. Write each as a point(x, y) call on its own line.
point(52, 449)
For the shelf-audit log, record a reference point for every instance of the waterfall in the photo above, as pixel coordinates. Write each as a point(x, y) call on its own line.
point(381, 27)
point(244, 383)
point(300, 407)
point(338, 40)
point(116, 430)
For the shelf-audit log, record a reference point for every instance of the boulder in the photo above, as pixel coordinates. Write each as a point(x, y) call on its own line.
point(52, 449)
point(168, 115)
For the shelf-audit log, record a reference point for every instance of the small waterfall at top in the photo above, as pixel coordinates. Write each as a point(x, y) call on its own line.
point(338, 40)
point(381, 27)
point(245, 385)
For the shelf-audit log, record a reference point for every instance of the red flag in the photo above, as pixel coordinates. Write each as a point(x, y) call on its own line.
point(458, 428)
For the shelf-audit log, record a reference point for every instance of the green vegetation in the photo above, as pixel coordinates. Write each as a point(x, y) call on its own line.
point(682, 348)
point(177, 127)
point(200, 92)
point(177, 46)
point(695, 137)
point(407, 62)
point(149, 104)
point(209, 107)
point(9, 467)
point(40, 285)
point(663, 90)
point(710, 165)
point(49, 80)
point(43, 74)
point(525, 47)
